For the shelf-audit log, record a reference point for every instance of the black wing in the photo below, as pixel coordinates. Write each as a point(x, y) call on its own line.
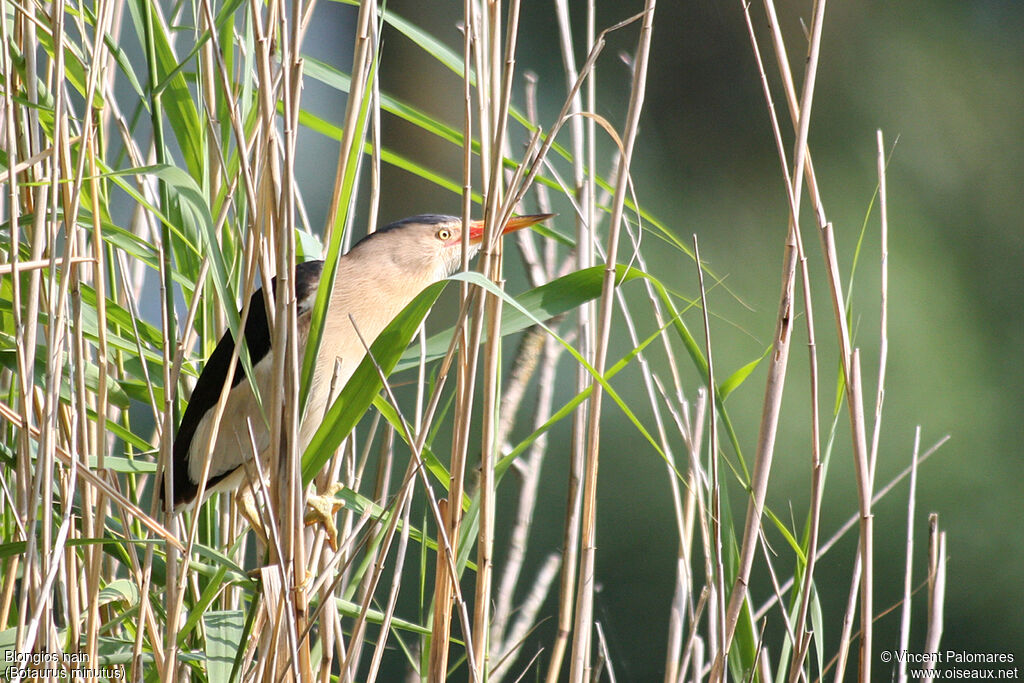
point(207, 390)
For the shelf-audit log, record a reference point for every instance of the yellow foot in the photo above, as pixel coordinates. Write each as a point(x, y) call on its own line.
point(246, 501)
point(321, 509)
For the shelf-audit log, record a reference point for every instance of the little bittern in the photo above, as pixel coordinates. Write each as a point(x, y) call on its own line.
point(375, 280)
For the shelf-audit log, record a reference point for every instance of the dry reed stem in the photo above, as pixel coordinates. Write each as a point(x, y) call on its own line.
point(474, 43)
point(777, 369)
point(771, 408)
point(853, 520)
point(718, 569)
point(532, 346)
point(389, 611)
point(901, 675)
point(691, 431)
point(500, 78)
point(585, 584)
point(37, 562)
point(936, 583)
point(883, 341)
point(520, 182)
point(416, 467)
point(361, 64)
point(846, 631)
point(862, 460)
point(450, 526)
point(799, 649)
point(494, 111)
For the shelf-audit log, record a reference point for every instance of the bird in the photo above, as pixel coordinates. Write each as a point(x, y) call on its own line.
point(376, 279)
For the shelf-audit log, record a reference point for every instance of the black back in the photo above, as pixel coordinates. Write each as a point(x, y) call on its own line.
point(206, 392)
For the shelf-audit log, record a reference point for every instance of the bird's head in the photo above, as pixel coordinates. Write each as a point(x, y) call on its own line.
point(428, 247)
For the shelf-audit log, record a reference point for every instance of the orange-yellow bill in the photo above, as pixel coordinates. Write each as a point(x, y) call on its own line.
point(476, 228)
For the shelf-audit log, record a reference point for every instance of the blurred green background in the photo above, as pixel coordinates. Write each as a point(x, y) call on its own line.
point(944, 81)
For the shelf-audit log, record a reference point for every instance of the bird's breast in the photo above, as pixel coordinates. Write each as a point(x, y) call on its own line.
point(341, 351)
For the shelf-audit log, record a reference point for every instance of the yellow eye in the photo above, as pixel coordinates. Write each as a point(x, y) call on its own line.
point(444, 234)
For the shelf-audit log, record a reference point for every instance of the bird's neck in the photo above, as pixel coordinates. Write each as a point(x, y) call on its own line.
point(372, 295)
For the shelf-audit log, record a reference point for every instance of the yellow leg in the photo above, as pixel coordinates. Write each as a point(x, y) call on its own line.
point(246, 501)
point(321, 509)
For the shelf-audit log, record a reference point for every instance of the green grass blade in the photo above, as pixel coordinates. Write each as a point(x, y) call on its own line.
point(175, 97)
point(733, 381)
point(536, 305)
point(224, 631)
point(197, 610)
point(365, 382)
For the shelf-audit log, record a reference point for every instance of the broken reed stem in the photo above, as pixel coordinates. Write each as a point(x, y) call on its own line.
point(771, 409)
point(936, 583)
point(799, 649)
point(883, 335)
